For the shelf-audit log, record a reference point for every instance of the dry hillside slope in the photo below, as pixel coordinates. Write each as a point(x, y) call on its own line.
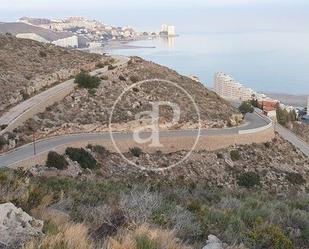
point(89, 110)
point(27, 67)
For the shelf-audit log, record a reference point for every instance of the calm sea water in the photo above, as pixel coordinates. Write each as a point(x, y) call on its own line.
point(265, 61)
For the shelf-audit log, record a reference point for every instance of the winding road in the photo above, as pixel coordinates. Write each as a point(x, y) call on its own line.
point(36, 104)
point(13, 118)
point(253, 121)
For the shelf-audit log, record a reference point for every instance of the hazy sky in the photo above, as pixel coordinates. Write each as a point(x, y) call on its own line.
point(187, 15)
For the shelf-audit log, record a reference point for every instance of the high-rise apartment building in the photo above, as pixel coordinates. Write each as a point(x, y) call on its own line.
point(228, 88)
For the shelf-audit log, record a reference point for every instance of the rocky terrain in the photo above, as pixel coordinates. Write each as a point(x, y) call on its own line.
point(28, 67)
point(244, 197)
point(274, 162)
point(300, 129)
point(17, 227)
point(89, 110)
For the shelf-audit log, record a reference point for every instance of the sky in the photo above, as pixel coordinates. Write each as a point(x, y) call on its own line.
point(187, 15)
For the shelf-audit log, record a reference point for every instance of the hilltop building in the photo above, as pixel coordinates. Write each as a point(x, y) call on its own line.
point(228, 88)
point(26, 31)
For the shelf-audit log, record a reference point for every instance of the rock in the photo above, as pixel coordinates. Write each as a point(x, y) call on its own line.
point(17, 227)
point(213, 243)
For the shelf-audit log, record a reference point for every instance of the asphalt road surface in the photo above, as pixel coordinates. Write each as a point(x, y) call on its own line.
point(25, 152)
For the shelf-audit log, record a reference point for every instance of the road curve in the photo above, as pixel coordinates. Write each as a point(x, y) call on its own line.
point(253, 121)
point(16, 115)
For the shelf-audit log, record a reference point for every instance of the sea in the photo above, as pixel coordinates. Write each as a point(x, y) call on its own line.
point(265, 61)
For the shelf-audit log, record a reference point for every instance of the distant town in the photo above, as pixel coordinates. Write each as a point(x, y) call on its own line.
point(77, 32)
point(228, 88)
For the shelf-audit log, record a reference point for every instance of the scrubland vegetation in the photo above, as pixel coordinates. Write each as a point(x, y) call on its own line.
point(113, 213)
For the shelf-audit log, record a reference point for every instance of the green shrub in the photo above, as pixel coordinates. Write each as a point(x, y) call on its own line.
point(144, 242)
point(35, 198)
point(3, 176)
point(3, 142)
point(50, 228)
point(85, 80)
point(269, 236)
point(235, 155)
point(135, 151)
point(248, 180)
point(246, 107)
point(295, 178)
point(54, 160)
point(83, 157)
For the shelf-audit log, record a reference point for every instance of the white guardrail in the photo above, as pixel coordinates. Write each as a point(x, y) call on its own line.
point(263, 128)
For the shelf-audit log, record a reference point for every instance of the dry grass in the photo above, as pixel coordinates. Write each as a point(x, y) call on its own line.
point(72, 236)
point(145, 237)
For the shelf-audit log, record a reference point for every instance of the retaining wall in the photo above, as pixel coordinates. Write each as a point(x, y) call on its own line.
point(171, 144)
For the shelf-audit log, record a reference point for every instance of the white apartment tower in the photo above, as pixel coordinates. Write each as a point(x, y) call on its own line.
point(169, 29)
point(228, 88)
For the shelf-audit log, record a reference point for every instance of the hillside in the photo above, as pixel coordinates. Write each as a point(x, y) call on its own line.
point(89, 110)
point(255, 200)
point(28, 67)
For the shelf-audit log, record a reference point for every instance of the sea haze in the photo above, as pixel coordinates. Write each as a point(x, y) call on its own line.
point(266, 61)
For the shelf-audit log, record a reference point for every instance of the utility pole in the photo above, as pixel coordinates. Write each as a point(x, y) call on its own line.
point(34, 145)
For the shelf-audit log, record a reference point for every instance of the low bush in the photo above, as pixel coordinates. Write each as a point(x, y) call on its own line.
point(83, 157)
point(134, 78)
point(235, 155)
point(54, 160)
point(3, 176)
point(295, 178)
point(135, 151)
point(85, 80)
point(122, 78)
point(3, 141)
point(269, 236)
point(102, 151)
point(248, 180)
point(220, 156)
point(111, 67)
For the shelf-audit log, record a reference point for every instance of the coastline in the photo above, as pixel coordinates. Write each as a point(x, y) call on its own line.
point(110, 45)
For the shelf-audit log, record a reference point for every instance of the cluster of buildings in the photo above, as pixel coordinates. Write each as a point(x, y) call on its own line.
point(77, 32)
point(94, 33)
point(228, 88)
point(167, 30)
